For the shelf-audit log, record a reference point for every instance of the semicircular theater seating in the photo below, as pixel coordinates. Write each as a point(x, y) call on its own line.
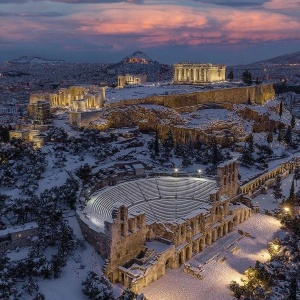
point(163, 199)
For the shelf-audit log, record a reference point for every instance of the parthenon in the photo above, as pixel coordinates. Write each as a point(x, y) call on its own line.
point(190, 73)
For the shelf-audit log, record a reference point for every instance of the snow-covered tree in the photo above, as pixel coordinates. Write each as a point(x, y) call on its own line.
point(97, 288)
point(277, 190)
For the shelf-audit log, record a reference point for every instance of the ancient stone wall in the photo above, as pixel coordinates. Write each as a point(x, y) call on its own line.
point(97, 239)
point(240, 95)
point(127, 236)
point(266, 180)
point(84, 118)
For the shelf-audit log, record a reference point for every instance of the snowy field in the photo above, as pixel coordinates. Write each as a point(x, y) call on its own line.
point(224, 265)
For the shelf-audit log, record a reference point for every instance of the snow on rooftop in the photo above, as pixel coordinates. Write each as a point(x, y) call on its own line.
point(19, 228)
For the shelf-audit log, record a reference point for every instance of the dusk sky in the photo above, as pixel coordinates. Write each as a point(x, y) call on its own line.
point(216, 31)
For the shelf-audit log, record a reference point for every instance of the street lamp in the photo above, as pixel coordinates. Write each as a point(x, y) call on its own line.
point(199, 173)
point(176, 171)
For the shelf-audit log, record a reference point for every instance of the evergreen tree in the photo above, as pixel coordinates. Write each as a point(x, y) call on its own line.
point(31, 286)
point(293, 122)
point(216, 155)
point(288, 135)
point(297, 174)
point(247, 77)
point(270, 137)
point(280, 136)
point(230, 76)
point(156, 145)
point(39, 296)
point(293, 290)
point(277, 190)
point(168, 145)
point(291, 198)
point(250, 143)
point(280, 109)
point(84, 173)
point(247, 158)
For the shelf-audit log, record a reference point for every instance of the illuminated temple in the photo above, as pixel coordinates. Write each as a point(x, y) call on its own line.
point(189, 73)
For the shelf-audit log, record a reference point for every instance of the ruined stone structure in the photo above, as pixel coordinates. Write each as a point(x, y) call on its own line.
point(131, 80)
point(145, 226)
point(189, 73)
point(39, 112)
point(28, 135)
point(80, 98)
point(261, 183)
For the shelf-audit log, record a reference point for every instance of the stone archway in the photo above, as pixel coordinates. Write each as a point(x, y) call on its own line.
point(195, 247)
point(208, 239)
point(214, 235)
point(235, 221)
point(180, 258)
point(225, 228)
point(230, 226)
point(201, 244)
point(220, 231)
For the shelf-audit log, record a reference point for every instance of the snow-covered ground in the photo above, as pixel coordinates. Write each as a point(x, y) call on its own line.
point(227, 258)
point(156, 89)
point(224, 266)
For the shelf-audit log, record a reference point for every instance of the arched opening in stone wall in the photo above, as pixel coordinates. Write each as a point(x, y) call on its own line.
point(225, 229)
point(220, 232)
point(168, 263)
point(201, 245)
point(214, 236)
point(148, 236)
point(230, 226)
point(187, 254)
point(208, 239)
point(180, 258)
point(235, 221)
point(195, 247)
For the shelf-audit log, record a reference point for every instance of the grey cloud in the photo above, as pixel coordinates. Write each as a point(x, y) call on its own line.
point(31, 15)
point(241, 3)
point(75, 1)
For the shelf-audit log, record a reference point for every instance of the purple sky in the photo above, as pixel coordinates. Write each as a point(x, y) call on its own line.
point(216, 31)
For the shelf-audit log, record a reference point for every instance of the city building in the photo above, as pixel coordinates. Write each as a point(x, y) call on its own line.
point(18, 236)
point(191, 73)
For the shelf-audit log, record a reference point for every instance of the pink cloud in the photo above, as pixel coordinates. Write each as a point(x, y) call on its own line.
point(125, 24)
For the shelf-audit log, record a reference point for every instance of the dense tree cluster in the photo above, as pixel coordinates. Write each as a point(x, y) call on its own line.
point(163, 150)
point(99, 288)
point(20, 161)
point(32, 208)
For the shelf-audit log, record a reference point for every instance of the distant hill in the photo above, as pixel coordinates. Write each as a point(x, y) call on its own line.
point(35, 60)
point(140, 63)
point(138, 57)
point(286, 59)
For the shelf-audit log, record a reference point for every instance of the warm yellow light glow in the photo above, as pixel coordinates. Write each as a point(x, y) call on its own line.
point(286, 209)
